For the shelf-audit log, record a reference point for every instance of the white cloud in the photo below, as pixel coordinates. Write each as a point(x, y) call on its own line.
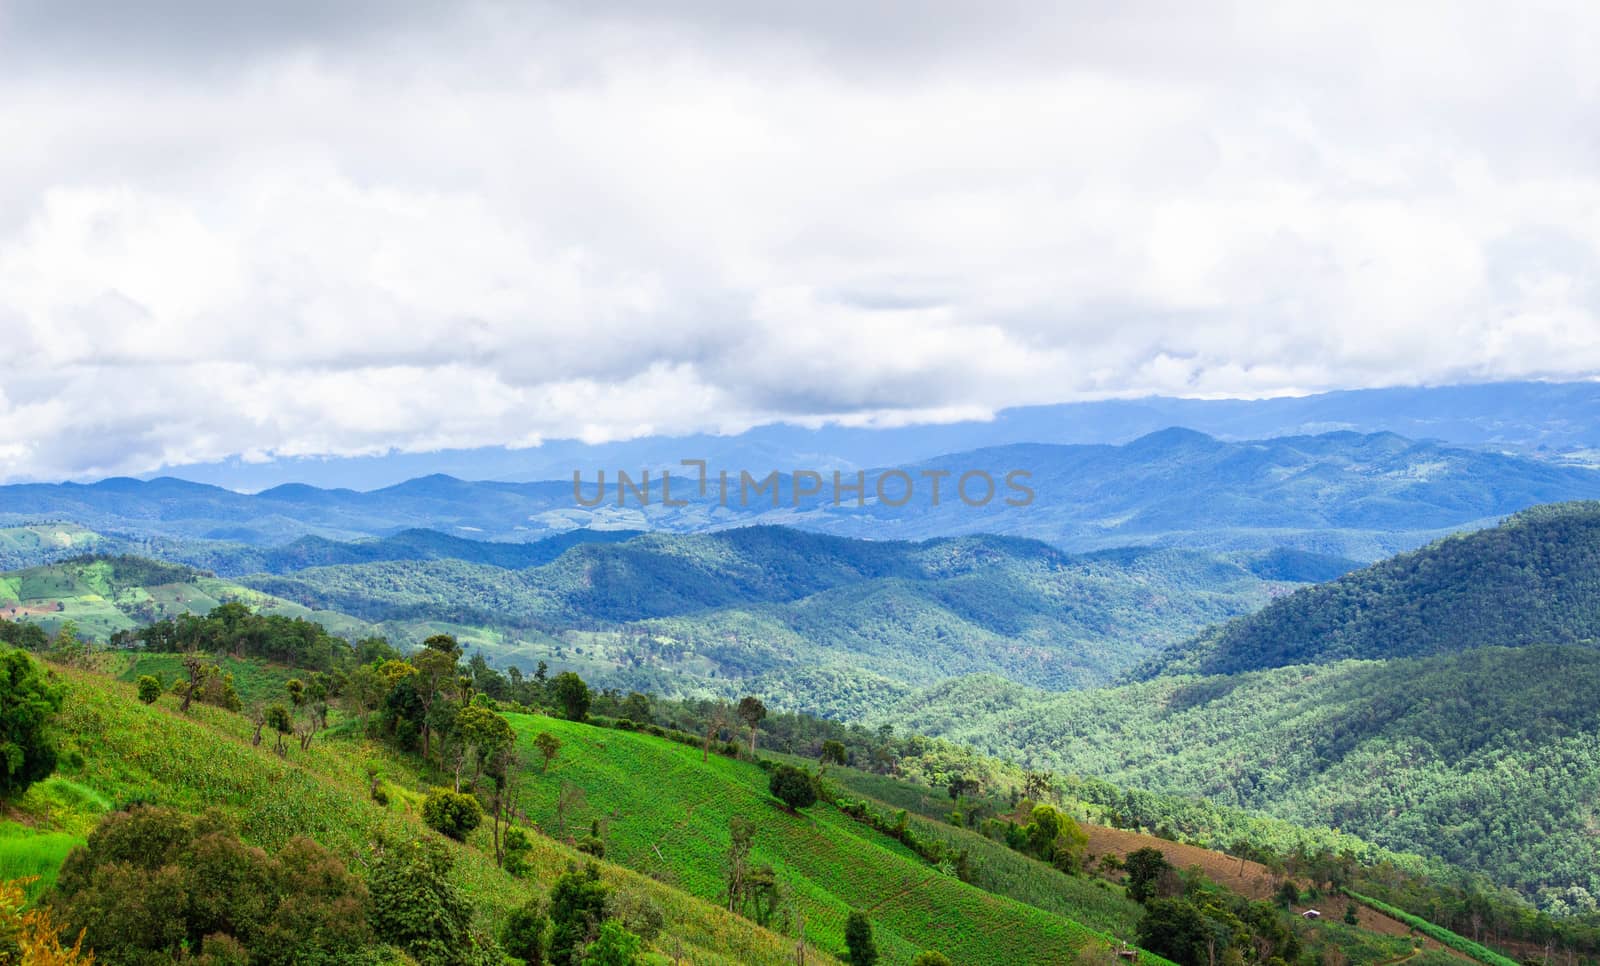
point(447, 225)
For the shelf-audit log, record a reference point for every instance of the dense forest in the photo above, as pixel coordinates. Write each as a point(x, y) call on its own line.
point(1533, 579)
point(677, 612)
point(1485, 759)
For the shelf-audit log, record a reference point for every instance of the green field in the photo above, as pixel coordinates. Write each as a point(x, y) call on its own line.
point(666, 814)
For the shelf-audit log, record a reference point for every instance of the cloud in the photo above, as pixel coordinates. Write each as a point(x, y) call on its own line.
point(302, 229)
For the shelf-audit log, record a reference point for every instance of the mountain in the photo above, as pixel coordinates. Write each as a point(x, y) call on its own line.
point(1549, 420)
point(1534, 579)
point(814, 621)
point(1486, 759)
point(1341, 494)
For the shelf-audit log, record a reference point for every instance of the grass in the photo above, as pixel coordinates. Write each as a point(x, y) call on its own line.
point(665, 813)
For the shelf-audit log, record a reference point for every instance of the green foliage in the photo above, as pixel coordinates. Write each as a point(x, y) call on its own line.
point(451, 813)
point(931, 958)
point(523, 934)
point(548, 746)
point(830, 624)
point(29, 700)
point(1175, 929)
point(572, 694)
point(614, 946)
point(1145, 867)
point(858, 940)
point(417, 907)
point(793, 787)
point(149, 688)
point(577, 910)
point(151, 881)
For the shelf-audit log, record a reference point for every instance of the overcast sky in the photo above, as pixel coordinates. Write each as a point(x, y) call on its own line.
point(316, 228)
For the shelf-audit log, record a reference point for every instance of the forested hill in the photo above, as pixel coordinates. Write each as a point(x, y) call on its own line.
point(1486, 759)
point(1534, 579)
point(802, 618)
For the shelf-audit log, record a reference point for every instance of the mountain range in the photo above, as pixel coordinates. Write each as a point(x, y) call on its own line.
point(1342, 494)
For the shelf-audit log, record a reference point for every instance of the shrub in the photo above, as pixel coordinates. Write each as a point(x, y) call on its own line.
point(793, 787)
point(149, 689)
point(931, 958)
point(451, 813)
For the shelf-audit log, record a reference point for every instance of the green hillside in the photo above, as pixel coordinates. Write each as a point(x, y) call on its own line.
point(665, 836)
point(674, 827)
point(1488, 759)
point(103, 595)
point(117, 750)
point(1533, 579)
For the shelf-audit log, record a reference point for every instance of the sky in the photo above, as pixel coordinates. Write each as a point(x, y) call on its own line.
point(299, 228)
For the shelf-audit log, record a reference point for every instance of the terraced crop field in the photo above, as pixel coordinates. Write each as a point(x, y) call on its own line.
point(666, 813)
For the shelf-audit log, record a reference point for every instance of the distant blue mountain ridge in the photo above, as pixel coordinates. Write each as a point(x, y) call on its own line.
point(1532, 418)
point(1354, 495)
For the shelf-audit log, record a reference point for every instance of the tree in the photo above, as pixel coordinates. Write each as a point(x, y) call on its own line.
point(277, 717)
point(751, 711)
point(149, 688)
point(834, 752)
point(636, 707)
point(548, 746)
point(1145, 867)
point(1350, 915)
point(451, 813)
point(716, 720)
point(741, 839)
point(1175, 929)
point(572, 694)
point(1288, 894)
point(435, 662)
point(484, 737)
point(860, 949)
point(522, 935)
point(931, 958)
point(793, 787)
point(29, 699)
point(415, 906)
point(577, 908)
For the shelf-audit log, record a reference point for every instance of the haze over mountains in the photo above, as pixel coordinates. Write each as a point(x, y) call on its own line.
point(1548, 419)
